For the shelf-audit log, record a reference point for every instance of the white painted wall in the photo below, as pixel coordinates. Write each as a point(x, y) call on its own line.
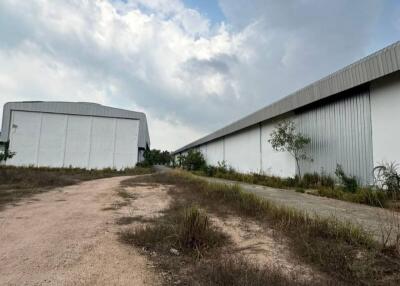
point(215, 152)
point(275, 163)
point(385, 116)
point(58, 140)
point(102, 143)
point(126, 142)
point(249, 151)
point(242, 150)
point(77, 141)
point(203, 150)
point(24, 138)
point(52, 140)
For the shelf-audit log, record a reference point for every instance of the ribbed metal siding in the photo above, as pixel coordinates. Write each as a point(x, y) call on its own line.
point(340, 133)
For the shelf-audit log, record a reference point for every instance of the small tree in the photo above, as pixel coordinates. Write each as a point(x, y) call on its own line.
point(284, 138)
point(194, 161)
point(156, 157)
point(6, 154)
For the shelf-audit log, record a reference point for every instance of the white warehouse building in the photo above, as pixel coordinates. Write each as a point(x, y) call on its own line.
point(73, 134)
point(351, 116)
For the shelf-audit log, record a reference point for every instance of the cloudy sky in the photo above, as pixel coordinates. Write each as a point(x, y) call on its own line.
point(192, 66)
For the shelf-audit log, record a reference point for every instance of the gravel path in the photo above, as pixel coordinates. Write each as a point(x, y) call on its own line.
point(373, 219)
point(65, 237)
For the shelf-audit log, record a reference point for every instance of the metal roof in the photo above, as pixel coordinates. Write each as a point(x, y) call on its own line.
point(374, 66)
point(74, 108)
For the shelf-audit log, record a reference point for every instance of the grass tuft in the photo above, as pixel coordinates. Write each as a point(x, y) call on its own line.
point(365, 196)
point(187, 229)
point(126, 194)
point(238, 271)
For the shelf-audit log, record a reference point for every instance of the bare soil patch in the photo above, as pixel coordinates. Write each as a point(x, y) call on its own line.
point(265, 248)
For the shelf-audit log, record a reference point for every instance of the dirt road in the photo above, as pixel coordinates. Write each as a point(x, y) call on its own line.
point(65, 237)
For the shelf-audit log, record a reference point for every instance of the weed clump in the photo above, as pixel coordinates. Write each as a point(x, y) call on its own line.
point(238, 271)
point(367, 196)
point(349, 183)
point(185, 228)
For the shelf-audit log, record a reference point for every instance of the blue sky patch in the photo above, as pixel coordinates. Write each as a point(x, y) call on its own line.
point(209, 8)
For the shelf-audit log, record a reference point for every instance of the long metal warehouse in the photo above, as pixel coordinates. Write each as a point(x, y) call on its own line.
point(352, 117)
point(73, 134)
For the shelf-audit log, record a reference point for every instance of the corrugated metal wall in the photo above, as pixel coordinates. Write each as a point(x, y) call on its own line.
point(340, 133)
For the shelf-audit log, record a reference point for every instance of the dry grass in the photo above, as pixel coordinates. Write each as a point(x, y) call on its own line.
point(116, 205)
point(365, 196)
point(323, 185)
point(125, 220)
point(238, 271)
point(125, 194)
point(202, 248)
point(186, 229)
point(343, 251)
point(20, 182)
point(31, 177)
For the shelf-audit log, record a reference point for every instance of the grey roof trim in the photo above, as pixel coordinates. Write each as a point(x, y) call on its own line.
point(75, 108)
point(374, 66)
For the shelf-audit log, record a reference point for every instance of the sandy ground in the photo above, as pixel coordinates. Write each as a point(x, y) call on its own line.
point(263, 247)
point(150, 200)
point(65, 237)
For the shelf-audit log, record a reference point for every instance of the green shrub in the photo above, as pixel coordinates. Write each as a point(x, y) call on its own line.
point(155, 157)
point(193, 161)
point(5, 153)
point(315, 180)
point(349, 183)
point(387, 178)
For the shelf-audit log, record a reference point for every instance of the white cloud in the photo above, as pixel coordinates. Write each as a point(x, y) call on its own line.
point(90, 51)
point(189, 75)
point(170, 134)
